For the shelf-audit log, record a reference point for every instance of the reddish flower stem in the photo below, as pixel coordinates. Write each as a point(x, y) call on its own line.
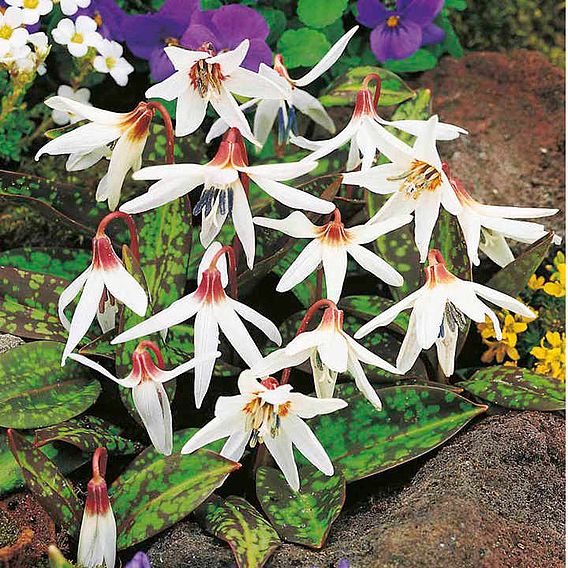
point(170, 140)
point(147, 344)
point(376, 77)
point(232, 267)
point(131, 227)
point(324, 303)
point(99, 463)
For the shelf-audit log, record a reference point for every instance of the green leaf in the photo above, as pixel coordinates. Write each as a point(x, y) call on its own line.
point(156, 491)
point(368, 307)
point(28, 304)
point(320, 13)
point(517, 388)
point(56, 559)
point(88, 433)
point(304, 516)
point(455, 4)
point(343, 90)
point(422, 60)
point(513, 278)
point(60, 262)
point(238, 523)
point(35, 390)
point(276, 20)
point(362, 441)
point(302, 47)
point(47, 483)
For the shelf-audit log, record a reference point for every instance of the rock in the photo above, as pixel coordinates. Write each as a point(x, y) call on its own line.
point(513, 107)
point(8, 342)
point(493, 497)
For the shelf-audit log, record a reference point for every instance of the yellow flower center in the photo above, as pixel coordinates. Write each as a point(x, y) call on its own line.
point(6, 31)
point(419, 178)
point(392, 22)
point(31, 4)
point(204, 75)
point(77, 38)
point(110, 62)
point(263, 418)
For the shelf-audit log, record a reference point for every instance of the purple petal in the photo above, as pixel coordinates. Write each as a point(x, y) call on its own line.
point(236, 23)
point(160, 66)
point(196, 35)
point(139, 560)
point(371, 13)
point(146, 33)
point(420, 12)
point(108, 14)
point(397, 42)
point(432, 34)
point(258, 53)
point(180, 10)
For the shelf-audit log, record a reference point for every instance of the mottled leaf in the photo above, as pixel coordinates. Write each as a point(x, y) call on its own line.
point(47, 483)
point(238, 523)
point(343, 90)
point(362, 441)
point(517, 388)
point(513, 278)
point(35, 390)
point(88, 433)
point(304, 516)
point(368, 307)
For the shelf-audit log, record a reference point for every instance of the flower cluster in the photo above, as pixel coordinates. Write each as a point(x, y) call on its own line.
point(551, 355)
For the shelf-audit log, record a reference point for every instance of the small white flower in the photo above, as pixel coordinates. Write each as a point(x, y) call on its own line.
point(88, 144)
point(70, 7)
point(146, 379)
point(265, 413)
point(201, 77)
point(330, 246)
point(293, 98)
point(78, 36)
point(439, 310)
point(212, 309)
point(110, 61)
point(19, 59)
point(418, 183)
point(32, 9)
point(223, 193)
point(12, 35)
point(62, 117)
point(330, 351)
point(497, 223)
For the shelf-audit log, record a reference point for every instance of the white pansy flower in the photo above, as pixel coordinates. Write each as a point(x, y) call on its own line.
point(292, 98)
point(331, 352)
point(12, 35)
point(439, 311)
point(269, 414)
point(32, 9)
point(417, 182)
point(330, 245)
point(223, 192)
point(110, 60)
point(212, 309)
point(202, 77)
point(62, 117)
point(70, 7)
point(78, 36)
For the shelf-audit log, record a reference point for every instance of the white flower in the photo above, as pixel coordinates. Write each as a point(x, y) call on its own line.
point(330, 351)
point(12, 35)
point(146, 379)
point(62, 117)
point(265, 413)
point(78, 36)
point(89, 143)
point(495, 224)
point(367, 135)
point(330, 245)
point(201, 77)
point(223, 192)
point(106, 277)
point(70, 7)
point(19, 58)
point(439, 310)
point(212, 309)
point(418, 183)
point(97, 539)
point(32, 9)
point(111, 61)
point(292, 98)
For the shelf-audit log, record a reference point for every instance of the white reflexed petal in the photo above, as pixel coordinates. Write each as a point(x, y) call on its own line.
point(281, 172)
point(363, 234)
point(235, 446)
point(376, 179)
point(496, 248)
point(276, 361)
point(206, 339)
point(68, 295)
point(333, 351)
point(242, 220)
point(280, 449)
point(327, 146)
point(295, 225)
point(249, 84)
point(190, 111)
point(124, 287)
point(375, 265)
point(310, 106)
point(425, 217)
point(515, 212)
point(128, 382)
point(502, 300)
point(264, 118)
point(366, 143)
point(366, 356)
point(153, 406)
point(309, 407)
point(410, 349)
point(170, 88)
point(86, 111)
point(444, 131)
point(231, 60)
point(363, 383)
point(353, 159)
point(306, 262)
point(302, 142)
point(392, 147)
point(429, 311)
point(424, 148)
point(83, 160)
point(165, 376)
point(449, 199)
point(334, 259)
point(220, 427)
point(221, 265)
point(471, 228)
point(446, 350)
point(171, 170)
point(97, 540)
point(228, 109)
point(183, 59)
point(258, 320)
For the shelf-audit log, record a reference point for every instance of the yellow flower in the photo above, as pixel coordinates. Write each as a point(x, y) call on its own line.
point(511, 326)
point(498, 350)
point(557, 285)
point(536, 282)
point(551, 357)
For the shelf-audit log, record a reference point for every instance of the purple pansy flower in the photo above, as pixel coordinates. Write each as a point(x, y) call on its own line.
point(226, 27)
point(399, 33)
point(109, 18)
point(147, 34)
point(139, 560)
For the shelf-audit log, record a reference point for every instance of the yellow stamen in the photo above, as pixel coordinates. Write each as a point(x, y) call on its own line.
point(420, 177)
point(6, 32)
point(392, 22)
point(77, 38)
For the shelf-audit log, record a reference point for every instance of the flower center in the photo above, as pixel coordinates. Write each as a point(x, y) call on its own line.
point(77, 38)
point(263, 419)
point(454, 319)
point(215, 199)
point(419, 178)
point(32, 4)
point(171, 41)
point(98, 19)
point(204, 76)
point(110, 62)
point(392, 22)
point(6, 31)
point(334, 234)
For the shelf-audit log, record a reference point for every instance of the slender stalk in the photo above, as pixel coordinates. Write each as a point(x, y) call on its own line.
point(99, 463)
point(170, 139)
point(131, 227)
point(147, 344)
point(376, 77)
point(232, 267)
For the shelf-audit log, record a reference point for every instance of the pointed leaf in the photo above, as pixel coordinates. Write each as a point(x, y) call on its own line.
point(238, 523)
point(517, 388)
point(304, 516)
point(368, 307)
point(362, 441)
point(36, 391)
point(46, 482)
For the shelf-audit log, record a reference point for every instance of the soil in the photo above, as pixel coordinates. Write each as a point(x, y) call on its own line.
point(492, 498)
